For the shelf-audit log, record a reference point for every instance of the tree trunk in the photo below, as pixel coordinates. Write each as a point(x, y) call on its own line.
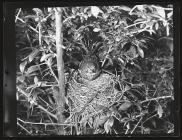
point(60, 65)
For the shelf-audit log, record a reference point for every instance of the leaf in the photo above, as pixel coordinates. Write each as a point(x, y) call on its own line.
point(38, 11)
point(36, 80)
point(33, 54)
point(125, 8)
point(139, 20)
point(96, 29)
point(21, 78)
point(157, 26)
point(140, 52)
point(161, 12)
point(125, 106)
point(159, 111)
point(32, 69)
point(22, 66)
point(107, 127)
point(127, 88)
point(31, 16)
point(100, 120)
point(45, 57)
point(95, 11)
point(167, 30)
point(121, 60)
point(170, 14)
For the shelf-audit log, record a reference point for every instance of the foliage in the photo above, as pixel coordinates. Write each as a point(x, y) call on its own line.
point(126, 41)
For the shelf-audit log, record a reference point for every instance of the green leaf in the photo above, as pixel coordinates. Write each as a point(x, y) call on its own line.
point(21, 78)
point(107, 127)
point(22, 66)
point(125, 106)
point(32, 69)
point(140, 52)
point(36, 80)
point(100, 120)
point(95, 11)
point(33, 54)
point(45, 57)
point(125, 8)
point(38, 11)
point(96, 29)
point(161, 12)
point(159, 111)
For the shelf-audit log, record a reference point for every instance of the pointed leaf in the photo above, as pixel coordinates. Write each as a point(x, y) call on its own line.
point(107, 127)
point(125, 106)
point(161, 12)
point(140, 52)
point(45, 57)
point(32, 69)
point(22, 66)
point(33, 54)
point(36, 80)
point(95, 11)
point(96, 29)
point(125, 8)
point(160, 111)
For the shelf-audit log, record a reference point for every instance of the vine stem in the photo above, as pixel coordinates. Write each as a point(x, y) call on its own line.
point(152, 99)
point(136, 125)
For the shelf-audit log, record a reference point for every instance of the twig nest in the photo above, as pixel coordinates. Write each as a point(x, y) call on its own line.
point(81, 94)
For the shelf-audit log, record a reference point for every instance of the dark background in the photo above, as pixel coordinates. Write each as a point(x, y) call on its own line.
point(9, 57)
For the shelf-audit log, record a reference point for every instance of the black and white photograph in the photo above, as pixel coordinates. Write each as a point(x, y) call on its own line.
point(95, 70)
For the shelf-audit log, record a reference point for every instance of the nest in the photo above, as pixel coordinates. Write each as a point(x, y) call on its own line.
point(88, 99)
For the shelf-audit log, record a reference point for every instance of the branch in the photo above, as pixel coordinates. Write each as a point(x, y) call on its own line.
point(17, 15)
point(136, 125)
point(35, 103)
point(157, 7)
point(152, 99)
point(18, 119)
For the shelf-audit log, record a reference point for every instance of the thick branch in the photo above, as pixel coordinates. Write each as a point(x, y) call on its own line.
point(60, 64)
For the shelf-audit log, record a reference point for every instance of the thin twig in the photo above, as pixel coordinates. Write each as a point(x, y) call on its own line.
point(150, 117)
point(135, 24)
point(152, 99)
point(157, 7)
point(28, 25)
point(23, 128)
point(39, 123)
point(35, 103)
point(17, 15)
point(136, 125)
point(40, 33)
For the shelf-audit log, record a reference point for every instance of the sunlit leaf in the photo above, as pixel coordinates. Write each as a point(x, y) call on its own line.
point(45, 57)
point(170, 14)
point(22, 66)
point(167, 30)
point(139, 20)
point(33, 54)
point(96, 29)
point(107, 127)
point(160, 111)
point(100, 120)
point(125, 106)
point(38, 11)
point(140, 52)
point(161, 12)
point(21, 78)
point(157, 26)
point(125, 8)
point(36, 80)
point(95, 11)
point(32, 69)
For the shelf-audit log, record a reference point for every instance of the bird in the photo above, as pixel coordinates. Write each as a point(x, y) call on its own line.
point(89, 67)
